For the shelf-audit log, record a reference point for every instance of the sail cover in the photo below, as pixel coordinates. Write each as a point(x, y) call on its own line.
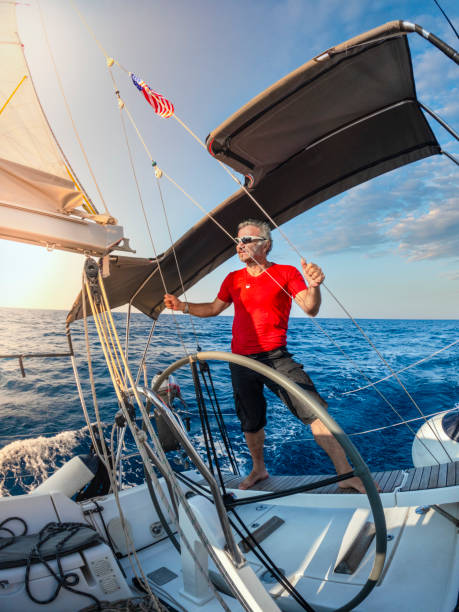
point(339, 120)
point(39, 200)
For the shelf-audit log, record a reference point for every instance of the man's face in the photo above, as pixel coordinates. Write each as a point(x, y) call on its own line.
point(255, 251)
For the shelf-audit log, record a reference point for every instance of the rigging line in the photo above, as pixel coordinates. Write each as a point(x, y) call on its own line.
point(376, 429)
point(61, 88)
point(171, 180)
point(129, 544)
point(144, 356)
point(268, 563)
point(413, 401)
point(104, 456)
point(381, 395)
point(161, 455)
point(447, 18)
point(218, 416)
point(97, 41)
point(176, 260)
point(110, 351)
point(163, 458)
point(119, 367)
point(163, 280)
point(126, 340)
point(402, 370)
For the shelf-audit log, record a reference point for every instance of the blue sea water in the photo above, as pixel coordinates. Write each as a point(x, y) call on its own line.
point(42, 425)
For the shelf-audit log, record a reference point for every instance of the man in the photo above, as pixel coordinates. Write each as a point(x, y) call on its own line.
point(261, 294)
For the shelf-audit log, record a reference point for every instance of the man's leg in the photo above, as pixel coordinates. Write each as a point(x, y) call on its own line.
point(331, 446)
point(255, 443)
point(284, 363)
point(250, 406)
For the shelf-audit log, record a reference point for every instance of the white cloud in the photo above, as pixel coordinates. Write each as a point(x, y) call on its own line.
point(431, 235)
point(413, 211)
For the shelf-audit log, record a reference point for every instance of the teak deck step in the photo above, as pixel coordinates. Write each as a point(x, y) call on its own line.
point(418, 479)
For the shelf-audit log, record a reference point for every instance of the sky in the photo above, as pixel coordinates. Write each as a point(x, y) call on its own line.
point(389, 248)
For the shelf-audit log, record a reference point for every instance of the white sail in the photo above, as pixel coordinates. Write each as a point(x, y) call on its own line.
point(40, 201)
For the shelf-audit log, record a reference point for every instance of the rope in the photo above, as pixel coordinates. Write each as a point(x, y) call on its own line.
point(176, 261)
point(160, 453)
point(447, 19)
point(115, 379)
point(64, 580)
point(204, 368)
point(144, 356)
point(205, 427)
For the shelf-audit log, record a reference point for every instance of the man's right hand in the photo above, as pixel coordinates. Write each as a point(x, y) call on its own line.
point(171, 302)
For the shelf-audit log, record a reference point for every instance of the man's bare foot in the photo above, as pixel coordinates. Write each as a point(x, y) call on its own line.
point(253, 478)
point(355, 483)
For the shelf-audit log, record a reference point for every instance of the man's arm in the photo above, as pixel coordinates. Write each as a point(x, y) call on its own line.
point(309, 300)
point(205, 309)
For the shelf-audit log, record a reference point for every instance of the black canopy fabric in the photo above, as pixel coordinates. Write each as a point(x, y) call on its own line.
point(339, 120)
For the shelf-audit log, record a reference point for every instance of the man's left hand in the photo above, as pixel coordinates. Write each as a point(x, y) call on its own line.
point(312, 273)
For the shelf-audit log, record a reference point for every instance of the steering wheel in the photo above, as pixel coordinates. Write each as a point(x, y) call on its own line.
point(360, 468)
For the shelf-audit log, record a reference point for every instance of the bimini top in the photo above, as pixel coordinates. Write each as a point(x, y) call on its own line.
point(347, 116)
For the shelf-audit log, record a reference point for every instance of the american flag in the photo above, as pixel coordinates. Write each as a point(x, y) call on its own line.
point(161, 106)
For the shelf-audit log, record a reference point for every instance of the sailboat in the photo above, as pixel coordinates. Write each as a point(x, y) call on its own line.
point(193, 541)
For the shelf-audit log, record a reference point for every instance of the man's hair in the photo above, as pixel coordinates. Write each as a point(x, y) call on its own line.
point(262, 226)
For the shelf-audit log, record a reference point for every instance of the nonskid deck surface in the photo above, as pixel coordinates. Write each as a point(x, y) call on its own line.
point(413, 479)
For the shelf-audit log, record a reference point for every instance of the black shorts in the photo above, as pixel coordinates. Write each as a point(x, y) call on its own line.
point(248, 389)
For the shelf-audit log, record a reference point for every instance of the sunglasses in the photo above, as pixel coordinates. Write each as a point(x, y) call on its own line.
point(249, 239)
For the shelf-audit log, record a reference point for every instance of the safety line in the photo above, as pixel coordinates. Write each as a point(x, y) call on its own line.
point(403, 369)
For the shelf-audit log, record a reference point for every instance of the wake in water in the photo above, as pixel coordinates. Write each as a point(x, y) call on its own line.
point(24, 464)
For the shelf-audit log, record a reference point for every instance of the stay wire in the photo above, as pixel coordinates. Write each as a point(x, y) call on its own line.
point(163, 280)
point(412, 365)
point(202, 412)
point(268, 563)
point(205, 369)
point(221, 439)
point(176, 260)
point(144, 356)
point(447, 18)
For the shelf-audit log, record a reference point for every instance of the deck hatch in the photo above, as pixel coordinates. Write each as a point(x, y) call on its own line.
point(161, 576)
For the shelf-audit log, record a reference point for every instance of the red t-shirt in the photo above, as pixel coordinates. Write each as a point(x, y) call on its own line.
point(261, 307)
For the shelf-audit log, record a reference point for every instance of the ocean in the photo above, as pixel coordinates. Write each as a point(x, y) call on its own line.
point(42, 424)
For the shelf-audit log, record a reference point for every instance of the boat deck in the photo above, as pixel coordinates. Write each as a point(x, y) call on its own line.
point(412, 479)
